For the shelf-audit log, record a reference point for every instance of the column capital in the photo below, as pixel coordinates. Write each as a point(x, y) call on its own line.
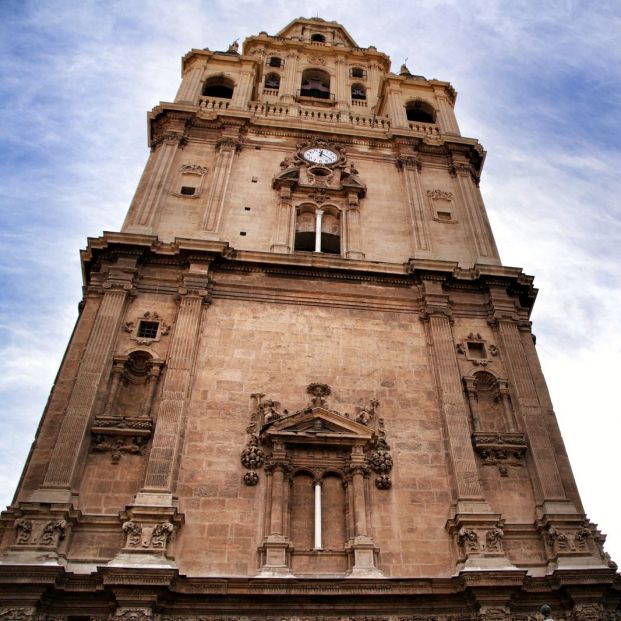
point(177, 138)
point(228, 144)
point(408, 162)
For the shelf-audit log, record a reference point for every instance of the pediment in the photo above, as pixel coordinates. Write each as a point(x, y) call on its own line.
point(319, 424)
point(294, 30)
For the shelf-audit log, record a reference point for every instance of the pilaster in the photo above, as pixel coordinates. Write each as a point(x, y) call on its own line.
point(508, 324)
point(226, 148)
point(163, 459)
point(143, 210)
point(189, 89)
point(276, 548)
point(71, 444)
point(282, 232)
point(410, 168)
point(480, 231)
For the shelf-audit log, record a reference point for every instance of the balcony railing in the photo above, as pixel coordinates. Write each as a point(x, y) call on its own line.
point(214, 103)
point(276, 110)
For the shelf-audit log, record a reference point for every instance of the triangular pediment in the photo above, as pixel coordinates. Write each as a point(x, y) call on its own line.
point(319, 424)
point(332, 30)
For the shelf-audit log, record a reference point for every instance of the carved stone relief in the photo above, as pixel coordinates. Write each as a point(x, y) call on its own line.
point(153, 537)
point(441, 206)
point(476, 349)
point(46, 534)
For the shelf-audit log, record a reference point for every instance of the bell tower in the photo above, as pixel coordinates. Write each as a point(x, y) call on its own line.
point(301, 378)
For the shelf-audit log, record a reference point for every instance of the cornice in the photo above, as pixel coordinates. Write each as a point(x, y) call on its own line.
point(308, 265)
point(191, 116)
point(179, 585)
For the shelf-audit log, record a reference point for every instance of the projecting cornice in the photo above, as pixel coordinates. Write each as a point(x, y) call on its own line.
point(306, 264)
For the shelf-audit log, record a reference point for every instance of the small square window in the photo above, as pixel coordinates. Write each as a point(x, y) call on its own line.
point(476, 350)
point(444, 215)
point(148, 329)
point(242, 233)
point(246, 208)
point(188, 190)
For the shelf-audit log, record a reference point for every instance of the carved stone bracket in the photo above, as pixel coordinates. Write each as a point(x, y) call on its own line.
point(479, 541)
point(567, 537)
point(41, 532)
point(500, 449)
point(118, 435)
point(148, 532)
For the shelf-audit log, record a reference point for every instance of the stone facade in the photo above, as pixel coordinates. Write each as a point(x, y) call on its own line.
point(302, 385)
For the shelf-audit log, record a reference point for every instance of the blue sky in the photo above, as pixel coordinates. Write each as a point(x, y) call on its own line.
point(539, 84)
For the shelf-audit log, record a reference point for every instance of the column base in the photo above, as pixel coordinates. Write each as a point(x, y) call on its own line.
point(363, 555)
point(275, 557)
point(281, 248)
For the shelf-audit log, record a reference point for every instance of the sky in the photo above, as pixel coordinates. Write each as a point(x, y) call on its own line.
point(539, 84)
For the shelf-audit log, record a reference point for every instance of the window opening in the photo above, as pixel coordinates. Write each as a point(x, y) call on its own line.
point(315, 83)
point(305, 232)
point(219, 86)
point(476, 350)
point(187, 190)
point(319, 38)
point(275, 61)
point(358, 72)
point(420, 111)
point(272, 81)
point(148, 329)
point(358, 91)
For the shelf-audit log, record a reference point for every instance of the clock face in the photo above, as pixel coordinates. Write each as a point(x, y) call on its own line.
point(319, 155)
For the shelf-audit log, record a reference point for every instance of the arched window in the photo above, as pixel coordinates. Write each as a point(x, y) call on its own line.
point(330, 233)
point(420, 112)
point(328, 240)
point(275, 61)
point(315, 83)
point(301, 511)
point(358, 91)
point(318, 38)
point(219, 86)
point(305, 231)
point(272, 81)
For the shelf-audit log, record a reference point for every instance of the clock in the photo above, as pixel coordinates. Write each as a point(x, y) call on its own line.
point(320, 155)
